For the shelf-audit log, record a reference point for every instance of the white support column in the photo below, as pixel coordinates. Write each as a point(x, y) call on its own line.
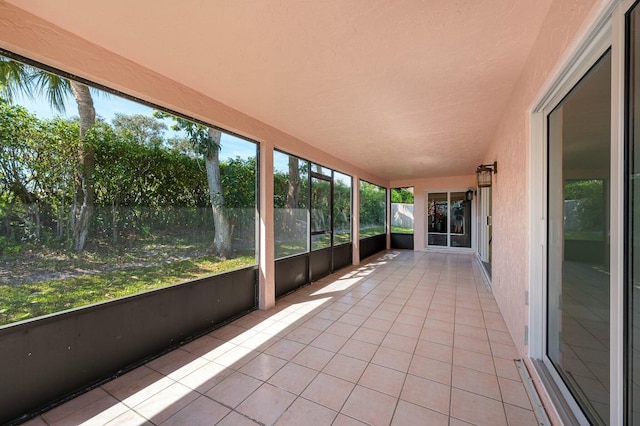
point(355, 221)
point(267, 282)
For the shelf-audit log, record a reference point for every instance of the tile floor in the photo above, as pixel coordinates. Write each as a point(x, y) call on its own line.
point(406, 338)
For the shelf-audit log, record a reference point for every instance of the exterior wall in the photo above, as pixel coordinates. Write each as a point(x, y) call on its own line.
point(564, 25)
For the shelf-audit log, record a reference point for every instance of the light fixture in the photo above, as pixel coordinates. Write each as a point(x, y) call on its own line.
point(484, 172)
point(469, 194)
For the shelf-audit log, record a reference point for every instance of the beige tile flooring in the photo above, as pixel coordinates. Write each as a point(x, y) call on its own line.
point(406, 338)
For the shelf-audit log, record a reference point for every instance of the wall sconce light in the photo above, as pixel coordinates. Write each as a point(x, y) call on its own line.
point(484, 172)
point(469, 194)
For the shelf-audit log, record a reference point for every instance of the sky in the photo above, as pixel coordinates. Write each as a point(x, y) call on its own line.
point(108, 105)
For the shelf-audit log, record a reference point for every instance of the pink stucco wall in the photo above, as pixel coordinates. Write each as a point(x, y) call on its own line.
point(564, 24)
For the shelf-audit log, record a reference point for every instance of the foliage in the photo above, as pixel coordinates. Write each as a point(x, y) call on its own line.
point(103, 197)
point(142, 129)
point(141, 190)
point(198, 135)
point(372, 206)
point(401, 195)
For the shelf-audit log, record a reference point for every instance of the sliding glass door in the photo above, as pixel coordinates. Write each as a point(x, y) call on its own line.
point(448, 219)
point(578, 182)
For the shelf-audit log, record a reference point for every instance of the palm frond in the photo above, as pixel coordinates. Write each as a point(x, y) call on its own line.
point(16, 79)
point(55, 89)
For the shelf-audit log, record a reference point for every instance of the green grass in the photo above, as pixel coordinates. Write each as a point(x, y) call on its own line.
point(370, 232)
point(20, 302)
point(342, 238)
point(290, 248)
point(401, 230)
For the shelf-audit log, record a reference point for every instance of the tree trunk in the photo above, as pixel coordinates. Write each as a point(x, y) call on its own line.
point(222, 236)
point(114, 222)
point(293, 195)
point(84, 191)
point(293, 192)
point(60, 221)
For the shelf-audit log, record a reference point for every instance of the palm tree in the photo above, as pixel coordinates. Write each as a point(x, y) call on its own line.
point(20, 79)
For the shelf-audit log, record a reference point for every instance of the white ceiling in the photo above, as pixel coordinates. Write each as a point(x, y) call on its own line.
point(402, 89)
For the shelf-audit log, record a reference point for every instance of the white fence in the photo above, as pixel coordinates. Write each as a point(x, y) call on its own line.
point(402, 215)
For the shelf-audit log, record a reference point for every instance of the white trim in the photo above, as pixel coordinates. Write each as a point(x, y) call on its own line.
point(617, 251)
point(588, 49)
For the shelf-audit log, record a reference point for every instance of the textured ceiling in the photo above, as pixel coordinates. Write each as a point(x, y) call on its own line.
point(402, 89)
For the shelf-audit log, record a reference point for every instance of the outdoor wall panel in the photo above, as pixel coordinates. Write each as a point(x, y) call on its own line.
point(372, 245)
point(49, 358)
point(402, 241)
point(342, 256)
point(291, 273)
point(320, 263)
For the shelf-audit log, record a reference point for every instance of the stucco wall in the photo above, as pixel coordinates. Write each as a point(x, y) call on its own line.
point(563, 26)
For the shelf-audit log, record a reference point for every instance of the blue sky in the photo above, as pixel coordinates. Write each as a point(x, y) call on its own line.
point(108, 105)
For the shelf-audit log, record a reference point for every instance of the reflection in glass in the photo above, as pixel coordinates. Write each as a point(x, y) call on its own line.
point(460, 226)
point(578, 240)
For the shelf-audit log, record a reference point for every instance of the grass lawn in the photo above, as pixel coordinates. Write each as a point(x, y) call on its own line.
point(371, 231)
point(20, 302)
point(401, 230)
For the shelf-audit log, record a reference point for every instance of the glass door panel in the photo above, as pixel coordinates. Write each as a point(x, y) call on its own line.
point(438, 219)
point(460, 226)
point(579, 146)
point(448, 219)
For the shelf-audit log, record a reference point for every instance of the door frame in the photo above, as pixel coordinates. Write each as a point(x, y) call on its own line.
point(484, 224)
point(472, 233)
